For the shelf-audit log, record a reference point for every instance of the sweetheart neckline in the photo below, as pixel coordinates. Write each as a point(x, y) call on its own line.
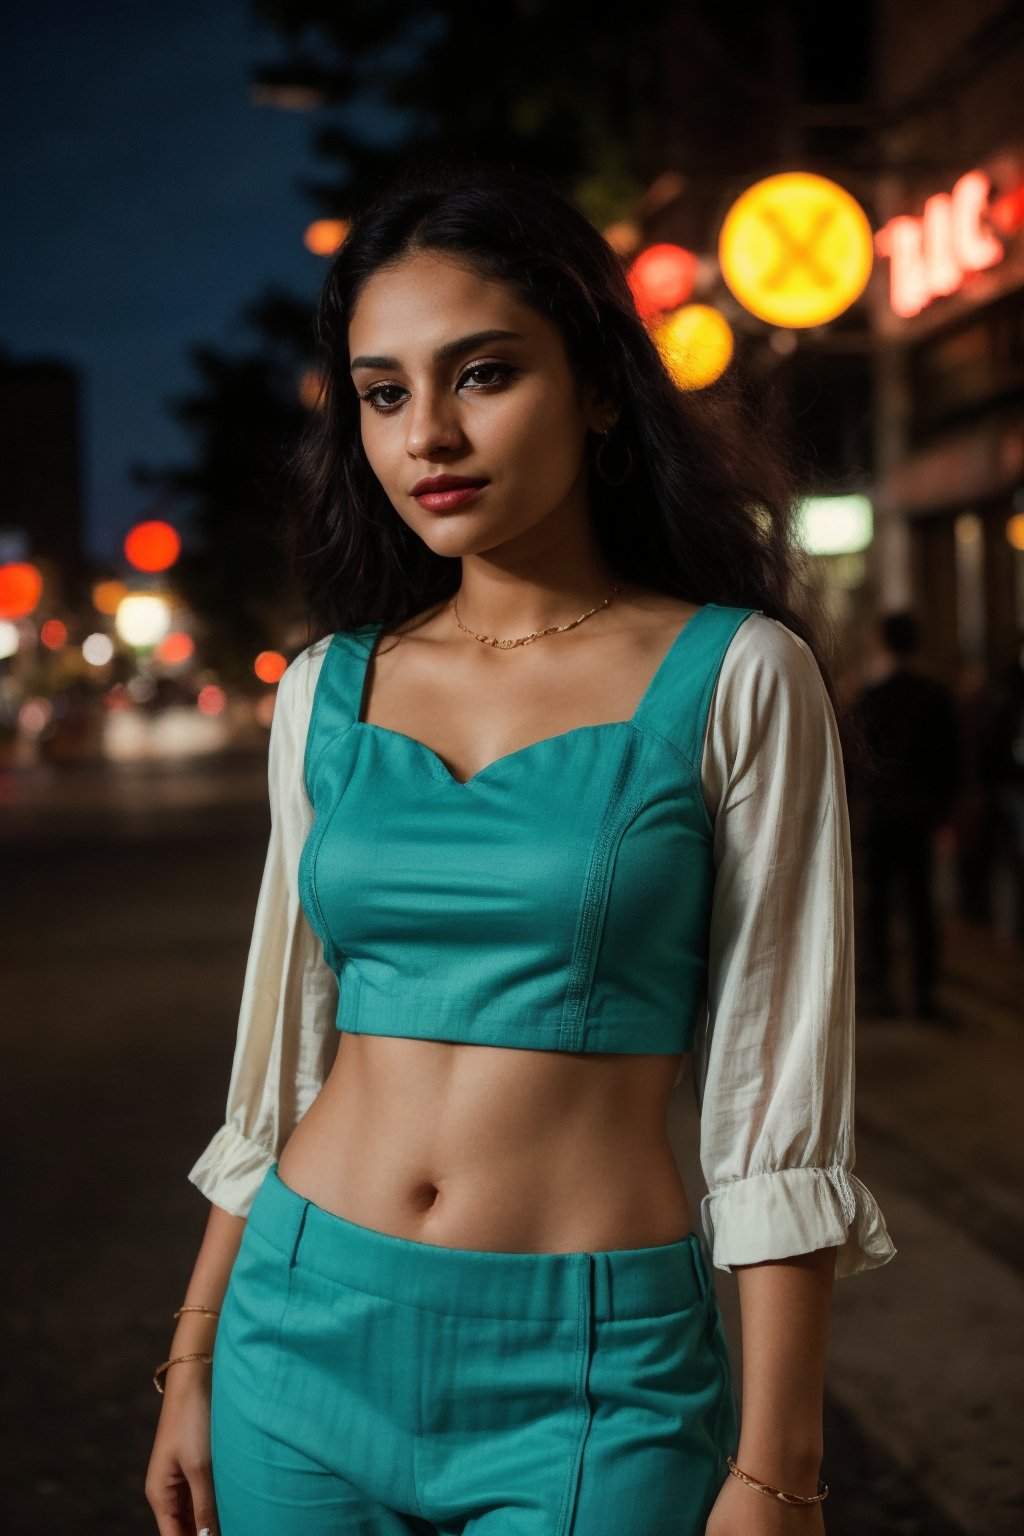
point(506, 757)
point(373, 632)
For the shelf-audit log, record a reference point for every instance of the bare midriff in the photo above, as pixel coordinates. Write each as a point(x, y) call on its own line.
point(493, 1148)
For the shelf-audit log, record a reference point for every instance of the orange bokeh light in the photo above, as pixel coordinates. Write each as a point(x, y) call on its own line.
point(108, 595)
point(152, 546)
point(54, 634)
point(623, 236)
point(662, 277)
point(269, 666)
point(21, 587)
point(311, 389)
point(175, 648)
point(324, 236)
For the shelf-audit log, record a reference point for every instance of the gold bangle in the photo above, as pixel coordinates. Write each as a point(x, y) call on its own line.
point(786, 1498)
point(210, 1311)
point(173, 1361)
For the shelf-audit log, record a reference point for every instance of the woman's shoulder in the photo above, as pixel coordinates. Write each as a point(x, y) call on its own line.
point(765, 655)
point(770, 694)
point(297, 683)
point(771, 719)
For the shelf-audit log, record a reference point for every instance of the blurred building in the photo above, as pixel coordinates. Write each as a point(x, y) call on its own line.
point(949, 326)
point(40, 471)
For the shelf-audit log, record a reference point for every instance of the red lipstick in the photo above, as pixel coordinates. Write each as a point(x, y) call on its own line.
point(442, 493)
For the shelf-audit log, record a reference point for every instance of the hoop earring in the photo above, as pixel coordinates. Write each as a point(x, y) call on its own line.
point(601, 465)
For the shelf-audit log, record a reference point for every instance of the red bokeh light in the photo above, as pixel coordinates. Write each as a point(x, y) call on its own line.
point(53, 634)
point(662, 277)
point(175, 648)
point(152, 546)
point(211, 699)
point(21, 587)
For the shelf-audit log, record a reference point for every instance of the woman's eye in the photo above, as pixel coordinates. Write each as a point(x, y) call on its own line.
point(498, 371)
point(371, 397)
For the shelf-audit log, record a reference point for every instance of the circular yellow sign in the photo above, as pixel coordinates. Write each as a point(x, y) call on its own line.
point(796, 249)
point(695, 344)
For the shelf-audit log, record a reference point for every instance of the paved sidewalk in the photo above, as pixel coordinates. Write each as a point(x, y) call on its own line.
point(925, 1396)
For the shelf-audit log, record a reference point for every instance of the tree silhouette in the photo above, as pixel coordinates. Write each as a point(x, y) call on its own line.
point(243, 417)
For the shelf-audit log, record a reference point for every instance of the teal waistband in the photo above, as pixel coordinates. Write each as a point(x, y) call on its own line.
point(623, 1282)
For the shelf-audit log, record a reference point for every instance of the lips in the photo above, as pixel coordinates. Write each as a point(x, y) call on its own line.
point(447, 493)
point(431, 487)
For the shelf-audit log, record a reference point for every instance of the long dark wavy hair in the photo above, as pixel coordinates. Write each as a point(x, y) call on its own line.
point(707, 513)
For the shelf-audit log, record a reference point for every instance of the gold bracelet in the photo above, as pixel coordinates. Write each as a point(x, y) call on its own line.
point(786, 1498)
point(207, 1359)
point(173, 1361)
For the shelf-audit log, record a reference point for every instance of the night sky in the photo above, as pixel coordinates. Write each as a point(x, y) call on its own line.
point(147, 202)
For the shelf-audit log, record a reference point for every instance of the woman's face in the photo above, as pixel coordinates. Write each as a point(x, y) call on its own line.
point(441, 393)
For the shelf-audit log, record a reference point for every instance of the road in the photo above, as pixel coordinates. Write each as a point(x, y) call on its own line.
point(127, 906)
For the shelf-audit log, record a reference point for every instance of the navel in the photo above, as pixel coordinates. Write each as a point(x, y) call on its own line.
point(425, 1195)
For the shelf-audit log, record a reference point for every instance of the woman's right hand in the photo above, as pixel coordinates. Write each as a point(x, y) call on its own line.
point(179, 1479)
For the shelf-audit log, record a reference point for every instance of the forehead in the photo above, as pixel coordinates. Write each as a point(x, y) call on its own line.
point(425, 299)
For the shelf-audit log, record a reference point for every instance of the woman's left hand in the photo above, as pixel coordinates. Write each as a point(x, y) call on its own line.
point(743, 1511)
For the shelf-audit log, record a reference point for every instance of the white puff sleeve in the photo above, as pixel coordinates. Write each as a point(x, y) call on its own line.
point(286, 1037)
point(774, 1055)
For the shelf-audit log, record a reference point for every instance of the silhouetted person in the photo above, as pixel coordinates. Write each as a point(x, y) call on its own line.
point(911, 727)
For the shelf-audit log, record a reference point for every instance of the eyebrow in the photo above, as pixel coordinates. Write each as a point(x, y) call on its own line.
point(442, 354)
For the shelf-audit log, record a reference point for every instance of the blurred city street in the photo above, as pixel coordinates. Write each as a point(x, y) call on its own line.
point(127, 907)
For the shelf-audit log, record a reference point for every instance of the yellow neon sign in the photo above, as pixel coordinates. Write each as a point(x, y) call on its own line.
point(796, 249)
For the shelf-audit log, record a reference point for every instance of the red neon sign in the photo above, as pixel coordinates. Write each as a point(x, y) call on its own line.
point(931, 255)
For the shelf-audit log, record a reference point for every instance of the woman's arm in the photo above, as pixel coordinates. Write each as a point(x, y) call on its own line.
point(179, 1479)
point(774, 1067)
point(784, 1308)
point(195, 1331)
point(285, 1041)
point(286, 1038)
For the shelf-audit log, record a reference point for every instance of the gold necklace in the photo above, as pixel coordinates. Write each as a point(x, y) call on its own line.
point(537, 634)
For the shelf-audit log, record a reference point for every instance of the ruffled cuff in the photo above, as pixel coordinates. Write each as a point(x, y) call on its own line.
point(231, 1170)
point(787, 1211)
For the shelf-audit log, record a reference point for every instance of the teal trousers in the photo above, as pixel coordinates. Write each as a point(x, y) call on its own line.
point(369, 1385)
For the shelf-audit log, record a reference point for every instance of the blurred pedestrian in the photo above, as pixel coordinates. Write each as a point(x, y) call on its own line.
point(910, 724)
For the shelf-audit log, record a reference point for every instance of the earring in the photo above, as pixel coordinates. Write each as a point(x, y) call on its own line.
point(601, 465)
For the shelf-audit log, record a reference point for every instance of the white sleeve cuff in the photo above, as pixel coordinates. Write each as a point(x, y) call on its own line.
point(231, 1170)
point(788, 1211)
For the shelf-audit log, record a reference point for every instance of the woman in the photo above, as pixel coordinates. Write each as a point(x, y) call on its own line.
point(557, 804)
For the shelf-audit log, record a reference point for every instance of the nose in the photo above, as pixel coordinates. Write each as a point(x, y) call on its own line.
point(432, 424)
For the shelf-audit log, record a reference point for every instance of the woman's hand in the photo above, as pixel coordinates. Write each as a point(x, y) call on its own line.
point(743, 1511)
point(179, 1479)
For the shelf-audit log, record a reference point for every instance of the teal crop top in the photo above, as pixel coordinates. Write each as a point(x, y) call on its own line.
point(558, 900)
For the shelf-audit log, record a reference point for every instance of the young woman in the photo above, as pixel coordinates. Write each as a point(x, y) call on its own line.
point(558, 812)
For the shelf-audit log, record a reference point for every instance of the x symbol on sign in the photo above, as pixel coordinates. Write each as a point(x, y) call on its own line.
point(796, 251)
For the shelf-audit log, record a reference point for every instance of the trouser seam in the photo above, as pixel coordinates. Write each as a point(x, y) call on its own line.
point(584, 1351)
